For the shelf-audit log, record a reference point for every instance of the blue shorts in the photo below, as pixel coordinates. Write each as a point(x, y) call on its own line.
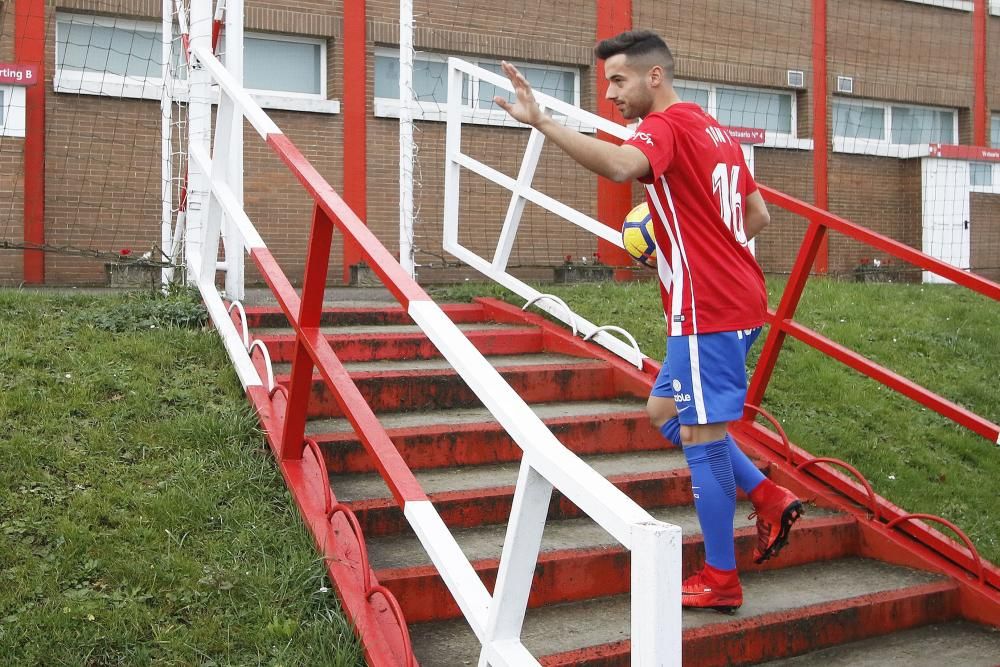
point(706, 375)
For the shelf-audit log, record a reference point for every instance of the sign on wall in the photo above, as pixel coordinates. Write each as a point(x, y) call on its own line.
point(18, 75)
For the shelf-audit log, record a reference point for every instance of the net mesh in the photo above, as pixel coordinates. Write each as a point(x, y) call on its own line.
point(103, 176)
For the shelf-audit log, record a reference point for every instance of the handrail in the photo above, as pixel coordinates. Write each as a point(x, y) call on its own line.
point(656, 545)
point(899, 250)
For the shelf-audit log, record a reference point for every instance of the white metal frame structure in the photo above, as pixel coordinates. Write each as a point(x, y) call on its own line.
point(215, 177)
point(522, 193)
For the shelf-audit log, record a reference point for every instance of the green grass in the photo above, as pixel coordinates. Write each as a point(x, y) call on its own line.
point(942, 337)
point(142, 519)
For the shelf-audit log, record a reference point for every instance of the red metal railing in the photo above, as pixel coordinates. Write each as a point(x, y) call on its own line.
point(782, 324)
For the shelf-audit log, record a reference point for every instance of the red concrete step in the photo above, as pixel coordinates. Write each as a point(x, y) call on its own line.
point(273, 316)
point(403, 341)
point(785, 612)
point(579, 560)
point(959, 644)
point(470, 436)
point(432, 384)
point(474, 495)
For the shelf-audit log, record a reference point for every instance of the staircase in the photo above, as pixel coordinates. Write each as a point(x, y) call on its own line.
point(824, 601)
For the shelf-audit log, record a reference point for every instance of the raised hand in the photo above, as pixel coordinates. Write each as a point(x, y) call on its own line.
point(525, 109)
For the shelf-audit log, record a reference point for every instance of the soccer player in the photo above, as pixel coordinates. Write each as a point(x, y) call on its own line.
point(705, 208)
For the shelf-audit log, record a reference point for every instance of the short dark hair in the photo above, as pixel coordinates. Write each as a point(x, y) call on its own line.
point(638, 44)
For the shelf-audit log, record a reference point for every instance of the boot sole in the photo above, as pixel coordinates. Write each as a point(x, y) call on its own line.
point(729, 609)
point(791, 514)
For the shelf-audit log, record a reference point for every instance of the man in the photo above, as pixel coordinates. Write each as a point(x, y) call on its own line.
point(705, 208)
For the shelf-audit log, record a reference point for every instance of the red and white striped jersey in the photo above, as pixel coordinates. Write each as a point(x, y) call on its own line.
point(696, 189)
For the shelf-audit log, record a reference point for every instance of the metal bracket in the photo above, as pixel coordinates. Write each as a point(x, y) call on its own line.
point(610, 327)
point(552, 297)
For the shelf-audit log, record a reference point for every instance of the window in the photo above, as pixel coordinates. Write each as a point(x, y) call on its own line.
point(912, 125)
point(12, 111)
point(995, 131)
point(430, 87)
point(763, 109)
point(430, 79)
point(890, 129)
point(108, 56)
point(980, 174)
point(858, 121)
point(747, 108)
point(559, 83)
point(123, 58)
point(700, 96)
point(963, 5)
point(288, 65)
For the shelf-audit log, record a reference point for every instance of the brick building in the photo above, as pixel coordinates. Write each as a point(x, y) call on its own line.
point(901, 73)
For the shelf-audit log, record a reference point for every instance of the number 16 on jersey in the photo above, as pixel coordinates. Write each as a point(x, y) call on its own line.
point(726, 184)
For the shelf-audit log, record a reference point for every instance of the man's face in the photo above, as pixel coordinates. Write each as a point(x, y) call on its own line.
point(628, 87)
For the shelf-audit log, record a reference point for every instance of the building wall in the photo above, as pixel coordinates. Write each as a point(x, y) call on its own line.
point(102, 163)
point(984, 231)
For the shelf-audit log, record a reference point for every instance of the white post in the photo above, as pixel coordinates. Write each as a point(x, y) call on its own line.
point(406, 136)
point(199, 134)
point(166, 118)
point(452, 147)
point(517, 562)
point(525, 177)
point(233, 240)
point(656, 594)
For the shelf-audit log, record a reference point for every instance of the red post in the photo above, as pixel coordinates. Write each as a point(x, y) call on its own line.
point(814, 240)
point(614, 200)
point(355, 101)
point(821, 145)
point(980, 112)
point(29, 49)
point(308, 317)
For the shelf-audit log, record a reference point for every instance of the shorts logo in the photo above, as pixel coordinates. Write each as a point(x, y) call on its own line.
point(677, 385)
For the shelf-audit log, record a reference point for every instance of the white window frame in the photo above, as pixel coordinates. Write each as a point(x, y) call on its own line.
point(12, 115)
point(885, 147)
point(296, 40)
point(772, 139)
point(994, 120)
point(961, 5)
point(387, 107)
point(994, 185)
point(88, 82)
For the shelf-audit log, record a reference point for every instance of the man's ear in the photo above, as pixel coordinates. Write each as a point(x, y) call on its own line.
point(655, 76)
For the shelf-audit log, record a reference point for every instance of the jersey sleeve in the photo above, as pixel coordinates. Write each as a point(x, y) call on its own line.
point(655, 138)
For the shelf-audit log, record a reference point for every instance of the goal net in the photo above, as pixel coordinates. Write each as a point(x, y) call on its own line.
point(106, 72)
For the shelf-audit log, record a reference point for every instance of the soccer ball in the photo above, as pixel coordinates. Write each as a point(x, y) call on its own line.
point(637, 236)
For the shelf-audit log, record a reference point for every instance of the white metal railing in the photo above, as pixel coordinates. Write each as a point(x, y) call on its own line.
point(521, 193)
point(546, 463)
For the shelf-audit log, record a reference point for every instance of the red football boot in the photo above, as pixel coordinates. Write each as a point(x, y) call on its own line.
point(776, 509)
point(710, 588)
